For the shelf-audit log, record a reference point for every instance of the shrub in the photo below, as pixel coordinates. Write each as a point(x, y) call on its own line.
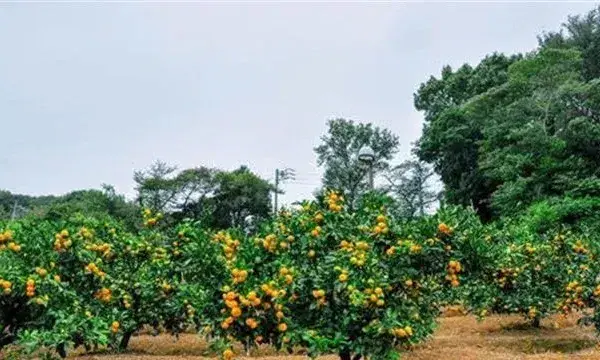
point(329, 280)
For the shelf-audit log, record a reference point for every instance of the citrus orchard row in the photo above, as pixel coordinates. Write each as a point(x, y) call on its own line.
point(324, 277)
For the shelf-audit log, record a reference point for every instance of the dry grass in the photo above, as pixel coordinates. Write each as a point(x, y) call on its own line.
point(459, 337)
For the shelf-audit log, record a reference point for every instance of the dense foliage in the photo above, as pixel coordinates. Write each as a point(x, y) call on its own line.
point(90, 282)
point(515, 140)
point(516, 130)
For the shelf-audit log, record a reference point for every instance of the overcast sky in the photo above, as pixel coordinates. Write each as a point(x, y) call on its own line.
point(90, 92)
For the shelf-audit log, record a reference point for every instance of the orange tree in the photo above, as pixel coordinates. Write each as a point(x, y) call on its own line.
point(533, 274)
point(88, 282)
point(457, 251)
point(38, 306)
point(329, 280)
point(164, 277)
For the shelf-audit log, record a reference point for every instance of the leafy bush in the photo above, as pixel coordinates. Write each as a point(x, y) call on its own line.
point(328, 280)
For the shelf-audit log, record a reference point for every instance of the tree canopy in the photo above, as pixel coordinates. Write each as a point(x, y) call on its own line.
point(338, 151)
point(516, 130)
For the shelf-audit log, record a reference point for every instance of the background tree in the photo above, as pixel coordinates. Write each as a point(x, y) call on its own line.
point(157, 187)
point(25, 203)
point(338, 151)
point(94, 203)
point(218, 198)
point(240, 194)
point(410, 184)
point(518, 130)
point(450, 137)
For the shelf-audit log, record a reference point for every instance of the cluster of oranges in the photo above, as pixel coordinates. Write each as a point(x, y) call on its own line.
point(85, 233)
point(30, 288)
point(402, 332)
point(287, 275)
point(166, 287)
point(445, 229)
point(114, 327)
point(319, 294)
point(316, 231)
point(229, 244)
point(375, 297)
point(574, 292)
point(239, 275)
point(13, 246)
point(251, 300)
point(41, 272)
point(159, 254)
point(270, 243)
point(343, 277)
point(346, 246)
point(126, 301)
point(579, 248)
point(104, 295)
point(597, 291)
point(359, 255)
point(42, 300)
point(334, 201)
point(6, 286)
point(279, 312)
point(251, 323)
point(149, 220)
point(189, 310)
point(413, 248)
point(529, 249)
point(234, 302)
point(103, 249)
point(7, 237)
point(62, 241)
point(319, 218)
point(176, 251)
point(381, 227)
point(233, 305)
point(228, 354)
point(92, 268)
point(454, 268)
point(271, 291)
point(227, 323)
point(506, 276)
point(390, 251)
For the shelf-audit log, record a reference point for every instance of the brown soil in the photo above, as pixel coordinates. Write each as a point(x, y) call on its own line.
point(459, 337)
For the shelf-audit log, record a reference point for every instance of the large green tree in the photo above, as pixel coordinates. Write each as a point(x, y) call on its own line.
point(92, 202)
point(338, 151)
point(163, 188)
point(220, 199)
point(517, 130)
point(411, 186)
point(450, 139)
point(240, 196)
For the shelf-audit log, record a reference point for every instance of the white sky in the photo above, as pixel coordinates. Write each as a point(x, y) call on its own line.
point(90, 92)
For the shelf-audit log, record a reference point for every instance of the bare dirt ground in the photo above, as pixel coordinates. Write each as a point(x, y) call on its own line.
point(459, 337)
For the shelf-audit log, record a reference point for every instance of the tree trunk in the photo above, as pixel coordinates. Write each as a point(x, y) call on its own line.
point(345, 355)
point(536, 322)
point(60, 349)
point(125, 340)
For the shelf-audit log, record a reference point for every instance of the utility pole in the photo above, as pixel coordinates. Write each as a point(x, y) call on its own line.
point(276, 190)
point(282, 175)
